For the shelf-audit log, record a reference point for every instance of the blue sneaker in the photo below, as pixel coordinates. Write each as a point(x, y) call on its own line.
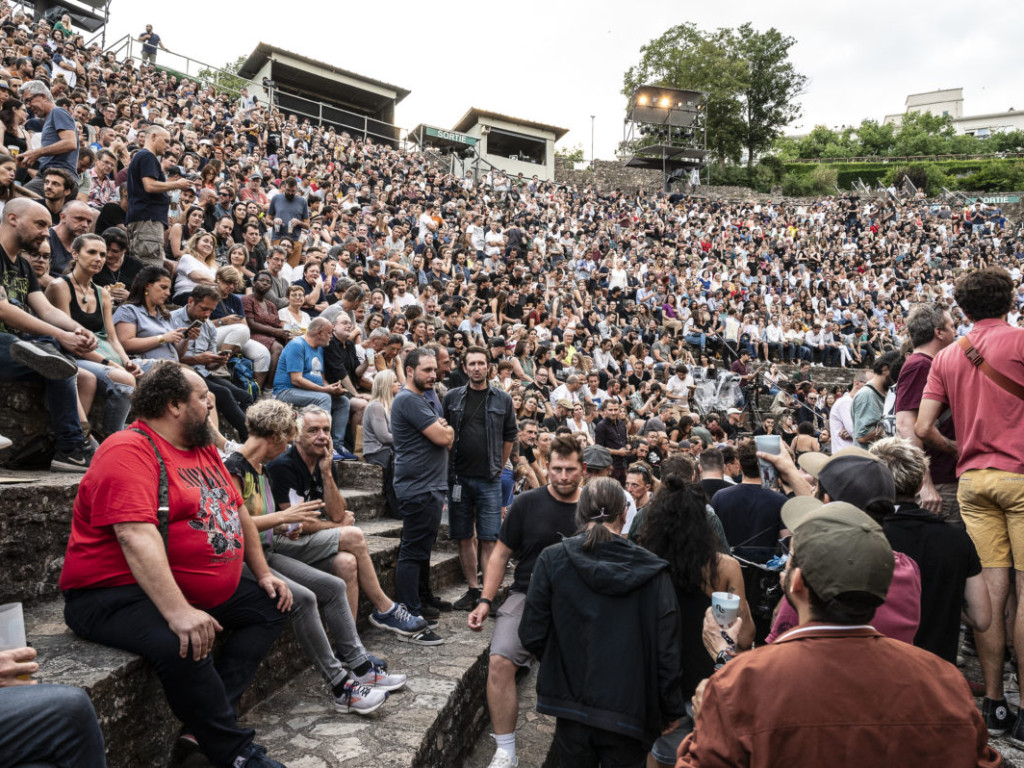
point(377, 662)
point(344, 455)
point(398, 620)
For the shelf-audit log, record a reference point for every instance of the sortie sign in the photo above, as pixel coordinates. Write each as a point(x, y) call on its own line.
point(458, 138)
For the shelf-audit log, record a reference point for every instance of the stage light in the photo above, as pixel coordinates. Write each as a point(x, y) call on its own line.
point(664, 101)
point(642, 100)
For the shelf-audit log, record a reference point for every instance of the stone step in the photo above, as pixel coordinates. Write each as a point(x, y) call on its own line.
point(35, 522)
point(138, 726)
point(433, 722)
point(365, 505)
point(359, 475)
point(535, 732)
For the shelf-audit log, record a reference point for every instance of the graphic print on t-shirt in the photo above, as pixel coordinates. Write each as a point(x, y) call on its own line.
point(215, 514)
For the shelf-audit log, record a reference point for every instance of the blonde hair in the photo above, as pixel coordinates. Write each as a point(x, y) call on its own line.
point(271, 418)
point(383, 383)
point(190, 246)
point(231, 275)
point(906, 461)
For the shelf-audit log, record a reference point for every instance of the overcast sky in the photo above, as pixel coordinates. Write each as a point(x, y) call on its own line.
point(561, 62)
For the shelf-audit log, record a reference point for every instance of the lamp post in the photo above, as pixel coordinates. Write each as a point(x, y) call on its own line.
point(593, 164)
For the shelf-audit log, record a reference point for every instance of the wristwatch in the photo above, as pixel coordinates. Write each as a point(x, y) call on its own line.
point(486, 600)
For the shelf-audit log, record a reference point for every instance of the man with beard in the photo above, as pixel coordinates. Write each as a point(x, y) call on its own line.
point(288, 211)
point(868, 409)
point(421, 440)
point(900, 704)
point(611, 433)
point(158, 483)
point(537, 519)
point(24, 312)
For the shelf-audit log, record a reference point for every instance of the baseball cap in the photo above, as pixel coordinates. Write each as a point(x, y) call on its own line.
point(732, 411)
point(838, 547)
point(564, 402)
point(852, 475)
point(597, 457)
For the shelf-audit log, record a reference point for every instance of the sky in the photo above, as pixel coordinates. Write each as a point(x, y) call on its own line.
point(561, 62)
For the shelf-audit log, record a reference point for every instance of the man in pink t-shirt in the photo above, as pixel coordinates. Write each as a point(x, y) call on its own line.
point(989, 447)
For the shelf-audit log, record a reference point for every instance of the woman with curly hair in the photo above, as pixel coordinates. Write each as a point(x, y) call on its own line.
point(676, 529)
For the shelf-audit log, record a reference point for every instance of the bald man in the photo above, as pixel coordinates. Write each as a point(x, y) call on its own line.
point(24, 310)
point(148, 201)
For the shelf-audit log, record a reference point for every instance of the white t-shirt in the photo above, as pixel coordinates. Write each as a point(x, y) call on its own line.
point(495, 242)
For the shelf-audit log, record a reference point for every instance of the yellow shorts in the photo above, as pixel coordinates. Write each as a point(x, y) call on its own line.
point(992, 507)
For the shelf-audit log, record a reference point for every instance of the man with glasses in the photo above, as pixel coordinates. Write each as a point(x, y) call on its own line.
point(59, 139)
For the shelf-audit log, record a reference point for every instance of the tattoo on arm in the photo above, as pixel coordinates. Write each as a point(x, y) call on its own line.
point(3, 294)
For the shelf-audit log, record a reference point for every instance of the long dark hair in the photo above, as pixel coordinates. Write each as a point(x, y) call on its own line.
point(146, 277)
point(676, 529)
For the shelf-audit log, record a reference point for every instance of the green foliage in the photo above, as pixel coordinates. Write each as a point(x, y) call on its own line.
point(226, 79)
point(751, 84)
point(820, 181)
point(573, 154)
point(983, 175)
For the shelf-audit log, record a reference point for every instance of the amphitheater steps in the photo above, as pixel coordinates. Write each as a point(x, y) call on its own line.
point(433, 722)
point(534, 733)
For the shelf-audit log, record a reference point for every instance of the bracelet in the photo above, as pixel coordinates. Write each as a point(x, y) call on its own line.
point(160, 339)
point(485, 600)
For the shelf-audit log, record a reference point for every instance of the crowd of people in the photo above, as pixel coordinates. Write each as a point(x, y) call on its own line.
point(269, 296)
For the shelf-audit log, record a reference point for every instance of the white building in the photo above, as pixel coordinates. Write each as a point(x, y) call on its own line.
point(950, 101)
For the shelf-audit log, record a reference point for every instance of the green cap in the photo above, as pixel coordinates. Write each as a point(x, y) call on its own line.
point(838, 548)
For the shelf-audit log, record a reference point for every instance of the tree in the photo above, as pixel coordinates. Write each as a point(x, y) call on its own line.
point(751, 85)
point(771, 89)
point(573, 155)
point(226, 78)
point(685, 57)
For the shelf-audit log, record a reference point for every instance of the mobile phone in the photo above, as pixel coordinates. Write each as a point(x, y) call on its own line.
point(196, 324)
point(768, 444)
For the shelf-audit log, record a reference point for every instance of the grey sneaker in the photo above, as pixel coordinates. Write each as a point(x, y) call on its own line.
point(43, 359)
point(378, 678)
point(359, 698)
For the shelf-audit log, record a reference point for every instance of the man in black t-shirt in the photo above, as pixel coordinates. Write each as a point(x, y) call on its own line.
point(485, 429)
point(536, 520)
point(148, 202)
point(25, 310)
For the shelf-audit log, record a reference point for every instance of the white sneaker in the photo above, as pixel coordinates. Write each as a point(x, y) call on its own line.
point(502, 759)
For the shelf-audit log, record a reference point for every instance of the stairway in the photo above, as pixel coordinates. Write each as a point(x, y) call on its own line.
point(436, 721)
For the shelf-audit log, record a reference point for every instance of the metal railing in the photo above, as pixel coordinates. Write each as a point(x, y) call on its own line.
point(905, 158)
point(128, 47)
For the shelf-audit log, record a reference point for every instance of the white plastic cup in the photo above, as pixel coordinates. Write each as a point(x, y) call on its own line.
point(726, 607)
point(12, 627)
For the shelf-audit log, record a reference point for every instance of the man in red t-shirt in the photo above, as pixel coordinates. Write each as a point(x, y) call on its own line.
point(931, 329)
point(127, 587)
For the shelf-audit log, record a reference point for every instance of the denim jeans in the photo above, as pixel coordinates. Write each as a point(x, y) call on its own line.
point(312, 588)
point(61, 395)
point(338, 407)
point(697, 339)
point(53, 725)
point(118, 396)
point(585, 746)
point(477, 510)
point(421, 517)
point(202, 694)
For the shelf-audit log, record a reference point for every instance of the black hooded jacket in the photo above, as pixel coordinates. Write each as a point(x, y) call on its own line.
point(605, 625)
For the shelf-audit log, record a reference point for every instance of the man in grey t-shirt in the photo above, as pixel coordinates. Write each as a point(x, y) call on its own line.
point(288, 210)
point(868, 408)
point(421, 441)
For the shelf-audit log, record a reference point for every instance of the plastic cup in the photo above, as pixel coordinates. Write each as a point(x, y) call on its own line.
point(13, 150)
point(12, 627)
point(726, 607)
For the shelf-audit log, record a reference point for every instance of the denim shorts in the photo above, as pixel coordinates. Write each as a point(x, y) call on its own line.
point(479, 504)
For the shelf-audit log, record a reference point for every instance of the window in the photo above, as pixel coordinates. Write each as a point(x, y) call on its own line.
point(516, 146)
